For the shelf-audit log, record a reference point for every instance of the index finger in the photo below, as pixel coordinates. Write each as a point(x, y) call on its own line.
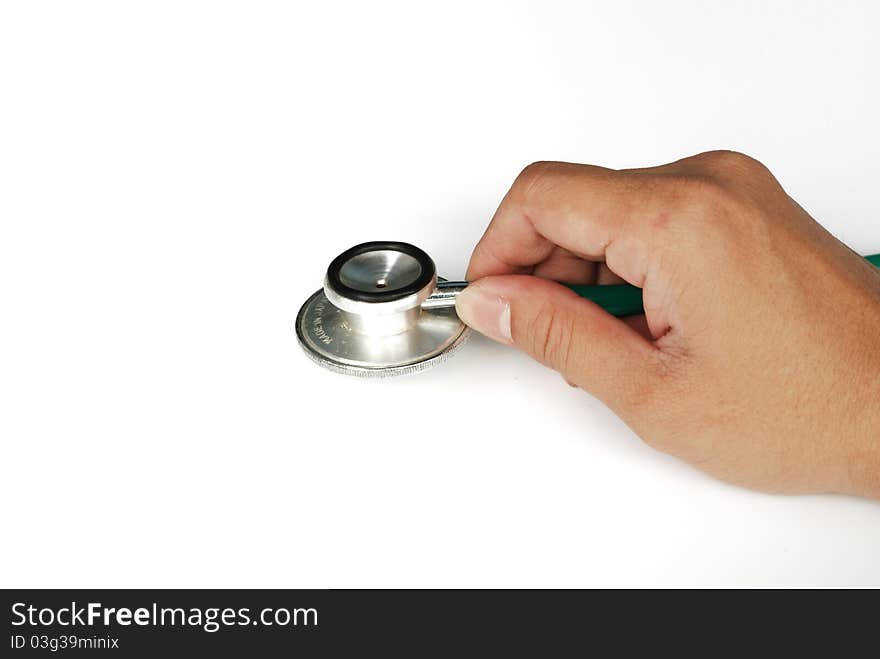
point(596, 213)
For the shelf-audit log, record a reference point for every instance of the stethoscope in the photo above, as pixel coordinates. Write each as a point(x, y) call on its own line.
point(384, 311)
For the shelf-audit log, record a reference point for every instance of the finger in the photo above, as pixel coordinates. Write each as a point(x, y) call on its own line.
point(574, 336)
point(568, 268)
point(593, 212)
point(605, 277)
point(563, 266)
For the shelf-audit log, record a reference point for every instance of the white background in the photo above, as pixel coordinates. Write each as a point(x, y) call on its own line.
point(175, 178)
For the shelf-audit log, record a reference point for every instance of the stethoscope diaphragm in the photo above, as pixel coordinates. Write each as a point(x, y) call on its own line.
point(381, 312)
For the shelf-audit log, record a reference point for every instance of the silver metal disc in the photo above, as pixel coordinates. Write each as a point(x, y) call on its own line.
point(380, 269)
point(328, 340)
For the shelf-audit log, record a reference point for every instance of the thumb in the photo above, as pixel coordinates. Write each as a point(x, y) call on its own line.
point(571, 335)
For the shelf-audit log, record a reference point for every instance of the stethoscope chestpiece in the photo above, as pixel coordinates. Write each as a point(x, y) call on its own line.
point(380, 314)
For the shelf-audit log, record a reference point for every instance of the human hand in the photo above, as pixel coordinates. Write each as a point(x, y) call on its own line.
point(758, 357)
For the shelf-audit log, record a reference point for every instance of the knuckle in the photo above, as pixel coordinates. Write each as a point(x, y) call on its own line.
point(733, 165)
point(726, 213)
point(695, 191)
point(727, 158)
point(531, 179)
point(712, 185)
point(688, 201)
point(710, 203)
point(707, 205)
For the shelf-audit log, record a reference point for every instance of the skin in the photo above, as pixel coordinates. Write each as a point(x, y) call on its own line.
point(758, 357)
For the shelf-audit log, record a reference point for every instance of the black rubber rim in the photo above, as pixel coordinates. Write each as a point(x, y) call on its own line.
point(425, 277)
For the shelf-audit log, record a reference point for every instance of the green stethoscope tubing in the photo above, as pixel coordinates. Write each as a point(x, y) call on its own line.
point(626, 300)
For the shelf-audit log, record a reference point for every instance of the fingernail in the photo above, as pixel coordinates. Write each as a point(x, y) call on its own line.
point(485, 312)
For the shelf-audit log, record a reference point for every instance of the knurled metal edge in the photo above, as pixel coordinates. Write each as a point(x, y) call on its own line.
point(374, 372)
point(387, 371)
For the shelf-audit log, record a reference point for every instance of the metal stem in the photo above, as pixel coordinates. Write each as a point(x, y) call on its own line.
point(444, 295)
